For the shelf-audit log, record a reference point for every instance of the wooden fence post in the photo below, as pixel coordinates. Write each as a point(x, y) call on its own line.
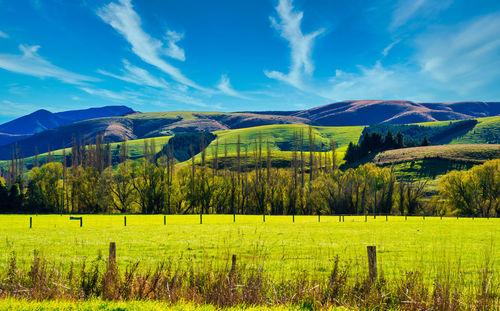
point(372, 262)
point(386, 218)
point(112, 253)
point(293, 218)
point(81, 221)
point(366, 218)
point(406, 217)
point(343, 219)
point(340, 218)
point(201, 219)
point(264, 217)
point(124, 221)
point(164, 220)
point(319, 219)
point(234, 217)
point(233, 263)
point(31, 222)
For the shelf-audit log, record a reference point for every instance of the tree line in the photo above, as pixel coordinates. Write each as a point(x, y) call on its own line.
point(88, 181)
point(373, 142)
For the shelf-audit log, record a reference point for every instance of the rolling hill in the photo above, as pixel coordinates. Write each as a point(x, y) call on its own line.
point(367, 112)
point(42, 120)
point(430, 162)
point(139, 126)
point(471, 153)
point(60, 128)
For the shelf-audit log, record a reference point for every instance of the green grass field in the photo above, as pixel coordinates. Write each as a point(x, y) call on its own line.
point(279, 246)
point(19, 305)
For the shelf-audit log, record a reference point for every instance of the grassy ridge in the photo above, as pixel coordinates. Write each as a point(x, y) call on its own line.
point(280, 136)
point(279, 246)
point(474, 153)
point(487, 131)
point(280, 139)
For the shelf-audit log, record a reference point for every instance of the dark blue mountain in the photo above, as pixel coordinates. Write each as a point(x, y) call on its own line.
point(42, 120)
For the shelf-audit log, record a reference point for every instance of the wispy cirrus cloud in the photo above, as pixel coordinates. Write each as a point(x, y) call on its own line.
point(136, 75)
point(301, 45)
point(3, 35)
point(32, 64)
point(225, 87)
point(406, 10)
point(117, 96)
point(173, 50)
point(456, 61)
point(123, 18)
point(462, 56)
point(386, 50)
point(375, 82)
point(21, 109)
point(157, 97)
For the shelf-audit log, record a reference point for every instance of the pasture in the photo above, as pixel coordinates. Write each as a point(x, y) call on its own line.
point(279, 246)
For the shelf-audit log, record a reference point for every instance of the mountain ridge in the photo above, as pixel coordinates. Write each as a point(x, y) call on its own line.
point(42, 120)
point(346, 113)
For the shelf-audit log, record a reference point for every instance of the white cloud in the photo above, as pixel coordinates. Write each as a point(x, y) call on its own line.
point(30, 63)
point(122, 17)
point(15, 109)
point(376, 82)
point(225, 87)
point(386, 50)
point(3, 35)
point(462, 57)
point(136, 75)
point(149, 95)
point(187, 99)
point(109, 94)
point(300, 44)
point(173, 50)
point(406, 10)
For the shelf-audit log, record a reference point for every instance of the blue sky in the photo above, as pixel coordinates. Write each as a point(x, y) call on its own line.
point(231, 55)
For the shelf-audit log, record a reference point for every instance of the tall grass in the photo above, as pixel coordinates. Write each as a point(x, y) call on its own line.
point(240, 285)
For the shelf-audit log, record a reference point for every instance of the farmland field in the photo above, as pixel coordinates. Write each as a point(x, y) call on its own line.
point(279, 246)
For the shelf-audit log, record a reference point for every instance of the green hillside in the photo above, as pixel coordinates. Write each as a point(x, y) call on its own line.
point(486, 131)
point(472, 131)
point(473, 153)
point(431, 162)
point(135, 151)
point(280, 137)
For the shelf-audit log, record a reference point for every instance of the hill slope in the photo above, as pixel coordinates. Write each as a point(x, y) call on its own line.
point(42, 120)
point(138, 126)
point(147, 125)
point(367, 112)
point(474, 153)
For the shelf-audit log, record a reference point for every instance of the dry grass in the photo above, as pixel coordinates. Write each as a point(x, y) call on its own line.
point(239, 285)
point(478, 153)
